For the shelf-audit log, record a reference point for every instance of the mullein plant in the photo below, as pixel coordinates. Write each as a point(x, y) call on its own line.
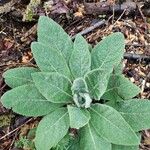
point(80, 89)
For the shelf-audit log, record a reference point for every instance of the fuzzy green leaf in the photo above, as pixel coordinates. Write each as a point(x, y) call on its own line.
point(26, 100)
point(19, 76)
point(111, 126)
point(108, 52)
point(118, 69)
point(80, 93)
point(80, 61)
point(97, 81)
point(51, 129)
point(90, 140)
point(79, 86)
point(136, 112)
point(120, 88)
point(78, 117)
point(53, 86)
point(120, 147)
point(51, 33)
point(49, 59)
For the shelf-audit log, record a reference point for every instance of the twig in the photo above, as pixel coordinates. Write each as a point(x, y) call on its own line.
point(105, 7)
point(91, 28)
point(136, 57)
point(126, 55)
point(142, 15)
point(11, 132)
point(8, 6)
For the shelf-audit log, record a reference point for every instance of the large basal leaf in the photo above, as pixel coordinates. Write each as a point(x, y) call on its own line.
point(136, 112)
point(78, 117)
point(120, 147)
point(120, 88)
point(49, 59)
point(19, 76)
point(51, 129)
point(90, 140)
point(111, 125)
point(97, 81)
point(74, 145)
point(26, 100)
point(118, 69)
point(50, 33)
point(53, 86)
point(108, 52)
point(80, 61)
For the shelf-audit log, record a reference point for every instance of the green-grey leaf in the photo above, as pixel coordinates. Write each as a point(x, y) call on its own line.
point(97, 81)
point(108, 52)
point(50, 33)
point(19, 76)
point(49, 59)
point(111, 126)
point(121, 147)
point(78, 117)
point(53, 86)
point(120, 88)
point(79, 86)
point(118, 69)
point(90, 140)
point(136, 112)
point(51, 129)
point(26, 100)
point(80, 93)
point(80, 61)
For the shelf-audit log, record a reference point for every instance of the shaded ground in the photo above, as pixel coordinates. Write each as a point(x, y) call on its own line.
point(16, 36)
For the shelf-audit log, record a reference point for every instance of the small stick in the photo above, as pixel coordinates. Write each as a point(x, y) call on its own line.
point(11, 132)
point(136, 57)
point(91, 28)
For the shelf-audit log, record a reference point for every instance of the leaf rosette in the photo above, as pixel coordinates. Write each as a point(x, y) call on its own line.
point(75, 88)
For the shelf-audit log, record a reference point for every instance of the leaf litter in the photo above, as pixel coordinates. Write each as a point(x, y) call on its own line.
point(72, 16)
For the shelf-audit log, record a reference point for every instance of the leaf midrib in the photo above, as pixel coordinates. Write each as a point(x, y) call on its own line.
point(92, 137)
point(108, 121)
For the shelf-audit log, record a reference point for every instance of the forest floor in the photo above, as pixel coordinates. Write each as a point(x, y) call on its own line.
point(94, 20)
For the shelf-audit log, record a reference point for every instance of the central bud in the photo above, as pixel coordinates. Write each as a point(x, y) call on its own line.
point(80, 93)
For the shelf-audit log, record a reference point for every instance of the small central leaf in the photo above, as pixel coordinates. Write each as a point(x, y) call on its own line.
point(80, 93)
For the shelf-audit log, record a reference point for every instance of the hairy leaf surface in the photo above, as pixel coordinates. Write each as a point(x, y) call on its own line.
point(79, 86)
point(136, 112)
point(108, 52)
point(120, 88)
point(78, 117)
point(53, 86)
point(80, 61)
point(120, 147)
point(51, 129)
point(49, 59)
point(97, 81)
point(19, 76)
point(26, 100)
point(90, 140)
point(80, 93)
point(111, 125)
point(50, 33)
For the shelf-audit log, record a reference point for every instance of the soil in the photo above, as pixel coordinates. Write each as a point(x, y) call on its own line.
point(17, 32)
